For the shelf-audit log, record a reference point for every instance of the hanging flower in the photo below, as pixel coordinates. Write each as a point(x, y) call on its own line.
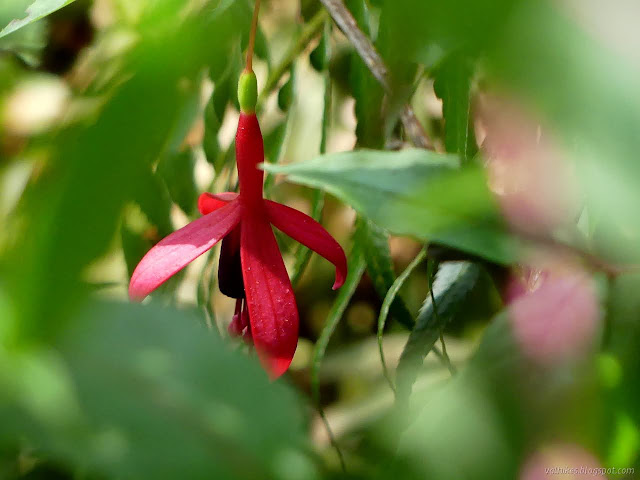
point(251, 267)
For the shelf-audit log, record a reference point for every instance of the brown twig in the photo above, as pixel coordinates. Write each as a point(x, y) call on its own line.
point(372, 59)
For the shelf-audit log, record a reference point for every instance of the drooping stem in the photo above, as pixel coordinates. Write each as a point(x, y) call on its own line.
point(252, 36)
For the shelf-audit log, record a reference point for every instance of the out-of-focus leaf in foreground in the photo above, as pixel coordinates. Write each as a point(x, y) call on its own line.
point(576, 67)
point(37, 10)
point(453, 86)
point(414, 192)
point(134, 391)
point(74, 207)
point(584, 84)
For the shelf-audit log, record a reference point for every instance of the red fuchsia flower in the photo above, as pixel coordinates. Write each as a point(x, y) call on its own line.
point(251, 268)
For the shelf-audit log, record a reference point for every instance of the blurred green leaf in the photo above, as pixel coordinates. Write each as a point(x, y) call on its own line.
point(386, 305)
point(452, 85)
point(174, 399)
point(27, 44)
point(210, 143)
point(414, 192)
point(274, 146)
point(286, 94)
point(366, 90)
point(134, 247)
point(225, 88)
point(320, 57)
point(356, 267)
point(415, 27)
point(584, 85)
point(94, 170)
point(155, 202)
point(261, 48)
point(453, 283)
point(375, 246)
point(177, 170)
point(35, 11)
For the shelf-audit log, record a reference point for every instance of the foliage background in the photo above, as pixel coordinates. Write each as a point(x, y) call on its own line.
point(115, 115)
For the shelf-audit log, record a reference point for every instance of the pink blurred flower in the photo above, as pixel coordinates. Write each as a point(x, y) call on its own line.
point(562, 462)
point(535, 185)
point(554, 314)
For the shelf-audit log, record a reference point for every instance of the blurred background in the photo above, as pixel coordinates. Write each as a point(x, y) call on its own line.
point(485, 192)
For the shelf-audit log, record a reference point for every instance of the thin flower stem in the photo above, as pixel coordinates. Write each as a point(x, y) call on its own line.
point(386, 305)
point(356, 270)
point(252, 36)
point(332, 438)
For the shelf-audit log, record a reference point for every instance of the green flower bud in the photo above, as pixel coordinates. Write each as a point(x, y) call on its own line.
point(248, 92)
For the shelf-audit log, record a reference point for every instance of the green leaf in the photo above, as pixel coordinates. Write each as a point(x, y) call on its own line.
point(414, 192)
point(27, 44)
point(286, 94)
point(134, 247)
point(37, 10)
point(375, 246)
point(177, 170)
point(386, 305)
point(320, 57)
point(155, 202)
point(487, 400)
point(366, 90)
point(453, 283)
point(452, 85)
point(356, 268)
point(414, 27)
point(132, 391)
point(206, 285)
point(210, 144)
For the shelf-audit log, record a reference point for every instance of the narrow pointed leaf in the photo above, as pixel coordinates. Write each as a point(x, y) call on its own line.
point(453, 283)
point(386, 305)
point(375, 246)
point(453, 86)
point(37, 10)
point(177, 170)
point(415, 192)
